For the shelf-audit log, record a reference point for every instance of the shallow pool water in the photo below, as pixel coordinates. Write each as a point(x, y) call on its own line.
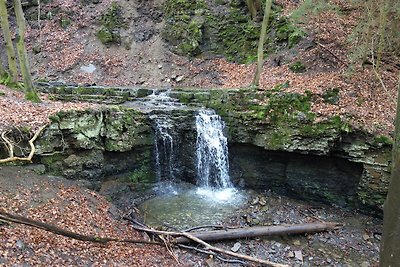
point(183, 206)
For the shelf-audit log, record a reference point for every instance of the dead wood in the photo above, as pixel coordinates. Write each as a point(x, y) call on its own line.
point(333, 54)
point(205, 244)
point(259, 231)
point(8, 217)
point(10, 147)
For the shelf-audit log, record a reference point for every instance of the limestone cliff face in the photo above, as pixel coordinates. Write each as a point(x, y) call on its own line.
point(92, 144)
point(275, 140)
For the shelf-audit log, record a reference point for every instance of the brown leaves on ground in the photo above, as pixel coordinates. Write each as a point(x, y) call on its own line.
point(60, 202)
point(16, 111)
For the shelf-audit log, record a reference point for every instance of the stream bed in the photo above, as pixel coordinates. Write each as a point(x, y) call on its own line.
point(356, 243)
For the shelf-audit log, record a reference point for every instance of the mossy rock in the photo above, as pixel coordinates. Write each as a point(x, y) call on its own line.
point(184, 25)
point(110, 24)
point(297, 67)
point(331, 96)
point(193, 27)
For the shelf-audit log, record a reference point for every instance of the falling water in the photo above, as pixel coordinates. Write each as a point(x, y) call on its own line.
point(214, 198)
point(164, 148)
point(212, 155)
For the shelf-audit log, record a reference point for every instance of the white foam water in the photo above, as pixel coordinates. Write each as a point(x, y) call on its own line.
point(212, 158)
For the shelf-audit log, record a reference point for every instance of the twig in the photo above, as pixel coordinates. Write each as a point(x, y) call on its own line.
point(169, 249)
point(378, 76)
point(208, 226)
point(333, 54)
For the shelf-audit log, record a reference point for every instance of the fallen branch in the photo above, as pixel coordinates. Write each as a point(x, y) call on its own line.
point(333, 54)
point(206, 245)
point(8, 217)
point(10, 147)
point(259, 231)
point(208, 226)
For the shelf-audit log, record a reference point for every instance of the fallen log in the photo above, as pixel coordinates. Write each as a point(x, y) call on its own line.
point(205, 245)
point(259, 231)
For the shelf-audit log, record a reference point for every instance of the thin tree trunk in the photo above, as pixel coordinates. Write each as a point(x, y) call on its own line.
point(390, 248)
point(30, 91)
point(254, 6)
point(2, 70)
point(383, 16)
point(260, 51)
point(12, 65)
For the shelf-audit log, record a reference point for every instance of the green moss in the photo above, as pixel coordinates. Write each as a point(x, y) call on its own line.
point(106, 37)
point(33, 97)
point(281, 86)
point(193, 27)
point(144, 173)
point(287, 33)
point(110, 24)
point(331, 96)
point(54, 118)
point(236, 35)
point(2, 93)
point(185, 97)
point(65, 22)
point(297, 67)
point(383, 140)
point(6, 80)
point(184, 29)
point(279, 139)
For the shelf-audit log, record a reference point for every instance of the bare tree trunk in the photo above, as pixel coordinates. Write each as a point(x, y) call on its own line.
point(390, 248)
point(30, 91)
point(383, 17)
point(254, 7)
point(260, 51)
point(12, 65)
point(2, 70)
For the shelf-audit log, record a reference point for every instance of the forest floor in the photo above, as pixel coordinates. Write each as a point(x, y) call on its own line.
point(72, 206)
point(69, 205)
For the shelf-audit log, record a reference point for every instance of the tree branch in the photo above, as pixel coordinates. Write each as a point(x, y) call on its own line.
point(206, 245)
point(8, 217)
point(10, 147)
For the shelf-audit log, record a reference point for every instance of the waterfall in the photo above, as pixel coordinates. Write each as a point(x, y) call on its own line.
point(164, 148)
point(212, 151)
